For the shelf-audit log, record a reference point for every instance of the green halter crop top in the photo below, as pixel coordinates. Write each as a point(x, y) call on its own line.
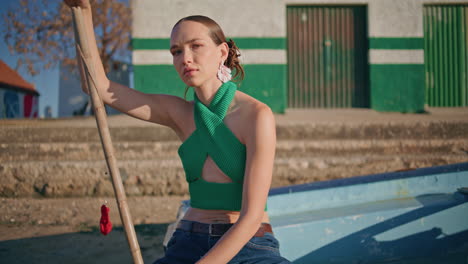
point(212, 137)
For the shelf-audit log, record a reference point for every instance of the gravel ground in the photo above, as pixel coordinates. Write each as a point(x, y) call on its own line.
point(66, 230)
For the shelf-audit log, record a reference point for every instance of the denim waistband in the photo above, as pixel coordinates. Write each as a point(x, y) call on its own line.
point(217, 229)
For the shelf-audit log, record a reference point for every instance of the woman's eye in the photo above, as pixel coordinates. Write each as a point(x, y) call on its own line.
point(196, 46)
point(175, 52)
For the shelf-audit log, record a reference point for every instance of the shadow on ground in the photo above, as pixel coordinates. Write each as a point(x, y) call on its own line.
point(85, 247)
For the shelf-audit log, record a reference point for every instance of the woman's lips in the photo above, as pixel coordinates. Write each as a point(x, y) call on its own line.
point(189, 72)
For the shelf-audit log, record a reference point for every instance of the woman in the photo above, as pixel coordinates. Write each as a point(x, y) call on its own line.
point(228, 146)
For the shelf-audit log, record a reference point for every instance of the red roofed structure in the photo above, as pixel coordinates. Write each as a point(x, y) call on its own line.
point(18, 98)
point(9, 77)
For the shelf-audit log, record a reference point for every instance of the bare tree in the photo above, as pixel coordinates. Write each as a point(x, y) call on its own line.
point(41, 31)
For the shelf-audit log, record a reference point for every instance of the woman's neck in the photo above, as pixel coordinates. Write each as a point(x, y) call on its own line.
point(207, 91)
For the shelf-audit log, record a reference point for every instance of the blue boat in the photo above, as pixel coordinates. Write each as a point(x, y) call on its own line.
point(417, 216)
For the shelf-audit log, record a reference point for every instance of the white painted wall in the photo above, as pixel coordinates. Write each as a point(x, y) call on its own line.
point(267, 18)
point(238, 18)
point(397, 18)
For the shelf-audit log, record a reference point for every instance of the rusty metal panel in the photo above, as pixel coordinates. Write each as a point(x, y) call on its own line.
point(445, 55)
point(327, 57)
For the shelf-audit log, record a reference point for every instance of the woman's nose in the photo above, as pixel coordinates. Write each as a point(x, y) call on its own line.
point(187, 57)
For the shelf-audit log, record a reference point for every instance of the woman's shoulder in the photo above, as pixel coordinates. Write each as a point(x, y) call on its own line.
point(255, 120)
point(251, 108)
point(256, 117)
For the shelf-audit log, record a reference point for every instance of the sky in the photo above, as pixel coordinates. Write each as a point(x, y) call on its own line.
point(46, 82)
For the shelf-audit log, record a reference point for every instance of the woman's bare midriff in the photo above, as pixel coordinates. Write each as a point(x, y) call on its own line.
point(216, 216)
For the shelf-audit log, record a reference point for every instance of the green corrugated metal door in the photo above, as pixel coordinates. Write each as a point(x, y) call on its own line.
point(327, 57)
point(445, 55)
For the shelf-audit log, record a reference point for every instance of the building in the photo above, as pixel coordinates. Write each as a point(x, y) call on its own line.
point(18, 98)
point(73, 101)
point(387, 55)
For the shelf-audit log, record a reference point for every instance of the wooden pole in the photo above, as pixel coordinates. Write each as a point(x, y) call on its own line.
point(84, 54)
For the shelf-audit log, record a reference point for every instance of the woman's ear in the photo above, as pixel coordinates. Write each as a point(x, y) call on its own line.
point(224, 51)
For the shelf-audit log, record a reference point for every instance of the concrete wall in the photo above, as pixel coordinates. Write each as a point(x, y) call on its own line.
point(16, 104)
point(396, 55)
point(261, 39)
point(396, 41)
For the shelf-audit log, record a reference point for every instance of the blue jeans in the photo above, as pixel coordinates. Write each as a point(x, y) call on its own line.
point(187, 248)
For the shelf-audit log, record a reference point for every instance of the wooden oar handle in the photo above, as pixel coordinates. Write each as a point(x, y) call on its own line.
point(84, 54)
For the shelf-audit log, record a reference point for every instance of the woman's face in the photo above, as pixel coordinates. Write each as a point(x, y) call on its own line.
point(195, 56)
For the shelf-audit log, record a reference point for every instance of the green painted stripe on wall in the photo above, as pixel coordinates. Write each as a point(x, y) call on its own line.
point(266, 83)
point(396, 43)
point(242, 43)
point(152, 43)
point(158, 79)
point(397, 88)
point(260, 43)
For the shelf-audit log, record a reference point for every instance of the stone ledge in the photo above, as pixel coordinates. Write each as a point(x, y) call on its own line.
point(166, 177)
point(312, 131)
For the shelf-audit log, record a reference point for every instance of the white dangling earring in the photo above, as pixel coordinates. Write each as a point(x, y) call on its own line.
point(224, 73)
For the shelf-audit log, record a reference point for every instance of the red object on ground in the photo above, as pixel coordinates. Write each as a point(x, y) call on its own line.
point(105, 223)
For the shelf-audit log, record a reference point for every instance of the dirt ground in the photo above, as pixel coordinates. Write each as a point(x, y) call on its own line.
point(66, 230)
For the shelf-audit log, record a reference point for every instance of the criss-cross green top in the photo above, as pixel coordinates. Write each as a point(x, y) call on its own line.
point(212, 137)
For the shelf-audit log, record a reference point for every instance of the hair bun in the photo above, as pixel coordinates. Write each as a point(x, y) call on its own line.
point(233, 61)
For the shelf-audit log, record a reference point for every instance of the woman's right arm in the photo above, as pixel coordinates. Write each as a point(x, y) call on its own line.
point(157, 108)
